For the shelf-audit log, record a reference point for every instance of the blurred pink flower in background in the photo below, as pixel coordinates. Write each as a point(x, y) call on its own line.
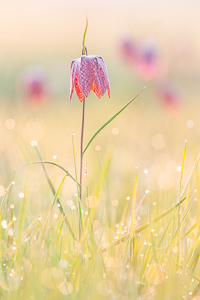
point(34, 86)
point(149, 65)
point(144, 59)
point(168, 95)
point(129, 51)
point(89, 73)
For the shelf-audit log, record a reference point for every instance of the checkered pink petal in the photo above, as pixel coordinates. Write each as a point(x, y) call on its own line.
point(89, 73)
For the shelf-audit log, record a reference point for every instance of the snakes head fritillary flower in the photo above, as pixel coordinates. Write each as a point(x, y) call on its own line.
point(89, 73)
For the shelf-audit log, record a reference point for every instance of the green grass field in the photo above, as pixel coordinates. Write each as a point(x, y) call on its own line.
point(140, 210)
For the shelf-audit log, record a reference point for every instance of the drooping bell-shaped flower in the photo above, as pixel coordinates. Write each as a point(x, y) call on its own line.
point(89, 73)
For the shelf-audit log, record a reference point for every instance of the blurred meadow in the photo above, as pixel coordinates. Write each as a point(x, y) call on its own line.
point(139, 216)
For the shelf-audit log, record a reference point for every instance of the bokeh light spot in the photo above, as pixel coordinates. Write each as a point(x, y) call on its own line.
point(190, 123)
point(66, 288)
point(115, 131)
point(10, 124)
point(52, 277)
point(158, 141)
point(2, 191)
point(98, 148)
point(92, 201)
point(165, 181)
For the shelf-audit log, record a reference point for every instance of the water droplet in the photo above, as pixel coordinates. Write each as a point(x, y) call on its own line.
point(55, 216)
point(4, 224)
point(54, 156)
point(179, 168)
point(11, 232)
point(12, 206)
point(21, 195)
point(147, 191)
point(146, 171)
point(128, 198)
point(73, 133)
point(33, 143)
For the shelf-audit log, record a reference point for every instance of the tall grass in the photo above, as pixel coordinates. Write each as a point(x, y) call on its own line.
point(137, 241)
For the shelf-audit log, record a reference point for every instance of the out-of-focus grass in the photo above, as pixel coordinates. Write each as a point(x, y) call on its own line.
point(117, 257)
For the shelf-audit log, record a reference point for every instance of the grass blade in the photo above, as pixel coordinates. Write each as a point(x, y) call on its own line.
point(110, 120)
point(58, 191)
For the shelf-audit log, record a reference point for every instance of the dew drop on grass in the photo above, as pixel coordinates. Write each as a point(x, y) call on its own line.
point(73, 207)
point(154, 203)
point(33, 143)
point(21, 195)
point(54, 156)
point(55, 216)
point(146, 171)
point(12, 206)
point(147, 191)
point(4, 224)
point(73, 133)
point(14, 218)
point(128, 198)
point(11, 232)
point(179, 168)
point(39, 218)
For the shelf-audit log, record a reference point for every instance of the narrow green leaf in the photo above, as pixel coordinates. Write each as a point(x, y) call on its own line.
point(51, 163)
point(58, 191)
point(110, 120)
